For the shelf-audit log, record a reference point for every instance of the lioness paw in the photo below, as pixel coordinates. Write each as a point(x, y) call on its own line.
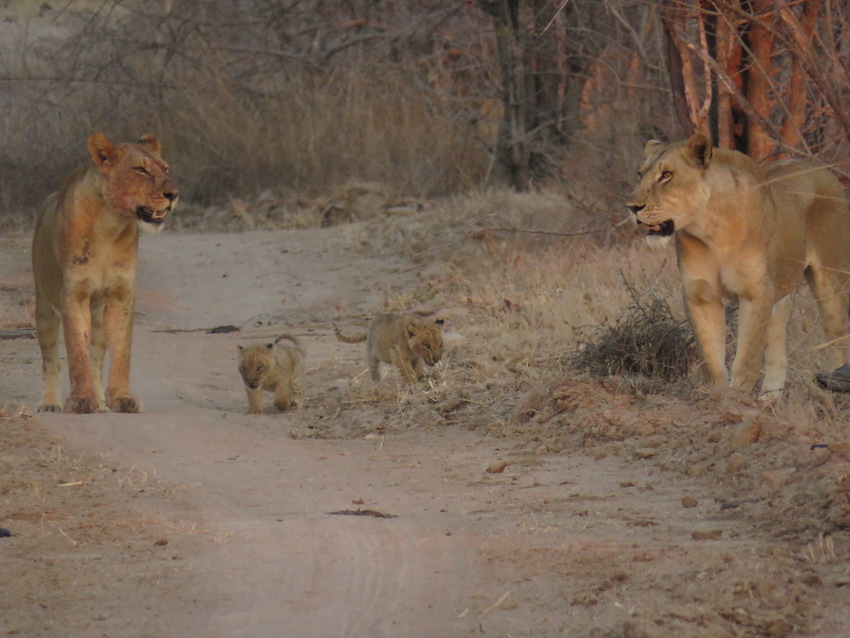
point(81, 404)
point(127, 404)
point(50, 407)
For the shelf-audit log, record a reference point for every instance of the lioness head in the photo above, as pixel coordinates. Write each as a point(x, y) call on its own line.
point(671, 192)
point(425, 339)
point(137, 180)
point(255, 364)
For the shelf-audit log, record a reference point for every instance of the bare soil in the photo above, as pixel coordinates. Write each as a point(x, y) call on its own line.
point(485, 502)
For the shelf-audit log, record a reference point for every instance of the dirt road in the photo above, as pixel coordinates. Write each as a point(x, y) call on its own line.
point(336, 519)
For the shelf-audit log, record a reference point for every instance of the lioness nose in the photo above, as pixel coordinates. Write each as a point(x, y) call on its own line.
point(171, 194)
point(635, 208)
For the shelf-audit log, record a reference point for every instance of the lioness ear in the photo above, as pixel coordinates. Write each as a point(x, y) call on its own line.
point(101, 150)
point(651, 147)
point(151, 142)
point(698, 150)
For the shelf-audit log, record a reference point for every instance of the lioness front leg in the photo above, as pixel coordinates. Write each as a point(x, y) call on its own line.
point(753, 317)
point(76, 319)
point(708, 318)
point(118, 326)
point(47, 324)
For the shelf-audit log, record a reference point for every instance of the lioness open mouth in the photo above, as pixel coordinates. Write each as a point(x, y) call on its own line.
point(664, 229)
point(151, 216)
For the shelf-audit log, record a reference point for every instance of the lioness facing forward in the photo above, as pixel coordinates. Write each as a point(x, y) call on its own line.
point(84, 261)
point(752, 233)
point(403, 340)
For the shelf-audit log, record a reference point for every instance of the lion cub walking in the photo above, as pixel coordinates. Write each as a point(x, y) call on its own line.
point(403, 340)
point(276, 367)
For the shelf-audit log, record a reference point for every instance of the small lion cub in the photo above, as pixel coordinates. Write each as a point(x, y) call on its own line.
point(403, 340)
point(274, 367)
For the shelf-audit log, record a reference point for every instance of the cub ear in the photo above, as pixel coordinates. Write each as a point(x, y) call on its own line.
point(101, 150)
point(698, 150)
point(240, 348)
point(651, 147)
point(151, 142)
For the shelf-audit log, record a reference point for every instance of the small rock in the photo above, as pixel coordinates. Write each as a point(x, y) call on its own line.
point(5, 533)
point(689, 501)
point(498, 468)
point(737, 462)
point(645, 452)
point(711, 535)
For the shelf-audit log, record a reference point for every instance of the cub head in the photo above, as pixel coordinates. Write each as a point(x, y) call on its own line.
point(255, 364)
point(137, 182)
point(671, 193)
point(425, 339)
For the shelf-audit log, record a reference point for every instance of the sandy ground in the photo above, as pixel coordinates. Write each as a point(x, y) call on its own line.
point(357, 515)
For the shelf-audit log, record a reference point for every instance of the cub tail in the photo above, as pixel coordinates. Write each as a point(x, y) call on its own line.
point(342, 337)
point(295, 342)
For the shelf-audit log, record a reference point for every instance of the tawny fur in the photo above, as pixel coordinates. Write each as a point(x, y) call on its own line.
point(406, 341)
point(84, 262)
point(275, 367)
point(753, 234)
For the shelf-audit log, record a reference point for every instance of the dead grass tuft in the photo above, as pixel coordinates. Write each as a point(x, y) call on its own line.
point(646, 340)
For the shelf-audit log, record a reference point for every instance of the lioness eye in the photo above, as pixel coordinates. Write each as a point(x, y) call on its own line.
point(665, 175)
point(141, 170)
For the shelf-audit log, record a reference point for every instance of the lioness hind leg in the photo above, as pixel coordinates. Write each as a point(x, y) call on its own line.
point(829, 287)
point(776, 353)
point(47, 329)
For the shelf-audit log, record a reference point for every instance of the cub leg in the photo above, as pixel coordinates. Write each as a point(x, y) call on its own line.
point(118, 325)
point(281, 397)
point(374, 368)
point(295, 388)
point(404, 365)
point(255, 400)
point(47, 322)
point(97, 354)
point(76, 320)
point(776, 353)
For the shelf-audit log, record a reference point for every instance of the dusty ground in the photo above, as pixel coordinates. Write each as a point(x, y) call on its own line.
point(508, 506)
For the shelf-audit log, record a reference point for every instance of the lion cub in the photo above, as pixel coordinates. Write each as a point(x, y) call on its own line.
point(274, 367)
point(405, 341)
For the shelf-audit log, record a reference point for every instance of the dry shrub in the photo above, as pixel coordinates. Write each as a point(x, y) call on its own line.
point(646, 340)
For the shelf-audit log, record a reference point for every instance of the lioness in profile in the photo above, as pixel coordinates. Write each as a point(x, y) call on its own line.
point(276, 367)
point(751, 233)
point(84, 261)
point(403, 340)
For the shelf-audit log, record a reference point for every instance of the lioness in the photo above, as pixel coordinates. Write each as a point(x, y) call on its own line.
point(748, 232)
point(276, 367)
point(84, 261)
point(403, 340)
